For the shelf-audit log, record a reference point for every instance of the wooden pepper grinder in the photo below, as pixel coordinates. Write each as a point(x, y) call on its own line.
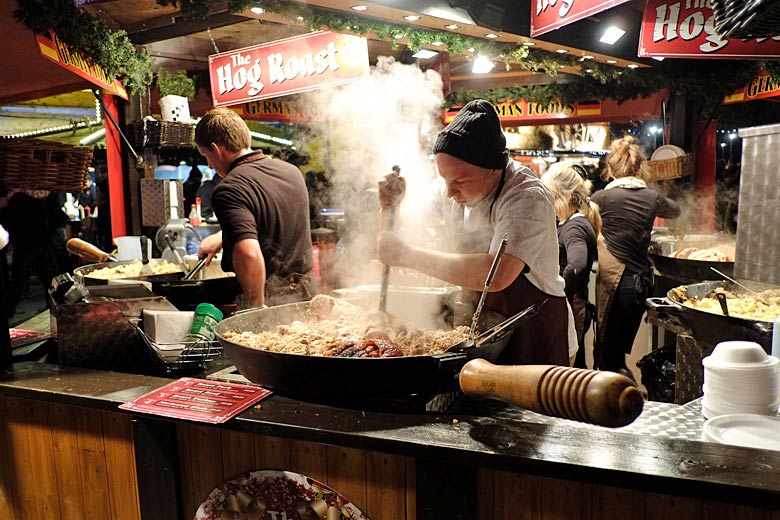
point(596, 397)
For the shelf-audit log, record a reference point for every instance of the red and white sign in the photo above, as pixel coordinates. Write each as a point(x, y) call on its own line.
point(547, 15)
point(198, 400)
point(56, 51)
point(686, 29)
point(524, 113)
point(297, 64)
point(761, 87)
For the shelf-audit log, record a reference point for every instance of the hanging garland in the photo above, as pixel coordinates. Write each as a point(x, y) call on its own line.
point(112, 50)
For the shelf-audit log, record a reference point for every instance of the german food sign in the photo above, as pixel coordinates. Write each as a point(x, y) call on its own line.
point(686, 29)
point(547, 15)
point(58, 52)
point(761, 87)
point(289, 66)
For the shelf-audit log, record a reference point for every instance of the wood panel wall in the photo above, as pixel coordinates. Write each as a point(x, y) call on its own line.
point(505, 496)
point(380, 485)
point(65, 462)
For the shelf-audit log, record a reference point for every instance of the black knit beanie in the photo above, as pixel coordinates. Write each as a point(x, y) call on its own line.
point(475, 136)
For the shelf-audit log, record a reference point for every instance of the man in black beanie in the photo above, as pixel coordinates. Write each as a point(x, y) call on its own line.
point(484, 196)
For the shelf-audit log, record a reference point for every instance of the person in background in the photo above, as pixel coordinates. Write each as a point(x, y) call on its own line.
point(5, 338)
point(205, 191)
point(624, 280)
point(190, 188)
point(579, 223)
point(89, 197)
point(482, 196)
point(263, 209)
point(26, 217)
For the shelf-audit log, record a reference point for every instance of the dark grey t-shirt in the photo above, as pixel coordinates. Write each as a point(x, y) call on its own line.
point(266, 199)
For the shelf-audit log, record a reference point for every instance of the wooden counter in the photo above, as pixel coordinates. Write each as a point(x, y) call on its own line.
point(66, 451)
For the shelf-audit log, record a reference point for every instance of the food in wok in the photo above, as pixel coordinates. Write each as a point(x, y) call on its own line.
point(133, 270)
point(709, 254)
point(338, 328)
point(759, 306)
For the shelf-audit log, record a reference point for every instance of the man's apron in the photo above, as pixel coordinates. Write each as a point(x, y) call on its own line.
point(543, 339)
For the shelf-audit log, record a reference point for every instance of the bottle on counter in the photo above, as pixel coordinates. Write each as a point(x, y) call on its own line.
point(194, 216)
point(204, 322)
point(197, 206)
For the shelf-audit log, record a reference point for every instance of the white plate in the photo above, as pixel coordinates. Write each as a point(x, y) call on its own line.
point(667, 151)
point(751, 431)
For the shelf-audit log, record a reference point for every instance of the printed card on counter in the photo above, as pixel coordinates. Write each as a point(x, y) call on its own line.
point(198, 400)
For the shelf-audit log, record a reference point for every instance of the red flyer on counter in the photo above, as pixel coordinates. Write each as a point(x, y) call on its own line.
point(198, 400)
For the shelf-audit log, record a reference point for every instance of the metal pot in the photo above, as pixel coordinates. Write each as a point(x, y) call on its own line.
point(181, 293)
point(333, 378)
point(708, 327)
point(689, 271)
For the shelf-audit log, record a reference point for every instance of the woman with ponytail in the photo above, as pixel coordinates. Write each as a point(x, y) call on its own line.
point(579, 223)
point(624, 280)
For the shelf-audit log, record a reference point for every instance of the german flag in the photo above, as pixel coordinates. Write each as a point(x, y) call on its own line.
point(589, 108)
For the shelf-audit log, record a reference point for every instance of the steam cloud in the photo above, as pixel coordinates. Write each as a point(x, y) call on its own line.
point(390, 118)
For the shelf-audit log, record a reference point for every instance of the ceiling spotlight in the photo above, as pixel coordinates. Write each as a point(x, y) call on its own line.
point(482, 65)
point(470, 49)
point(587, 57)
point(561, 51)
point(612, 35)
point(658, 58)
point(452, 27)
point(399, 36)
point(299, 18)
point(529, 44)
point(257, 10)
point(588, 70)
point(491, 36)
point(411, 18)
point(360, 7)
point(437, 44)
point(632, 66)
point(611, 62)
point(424, 54)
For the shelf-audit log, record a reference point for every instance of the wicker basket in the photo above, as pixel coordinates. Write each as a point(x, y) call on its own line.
point(35, 164)
point(159, 133)
point(675, 168)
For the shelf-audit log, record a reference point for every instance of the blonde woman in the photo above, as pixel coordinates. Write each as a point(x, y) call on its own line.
point(578, 226)
point(624, 281)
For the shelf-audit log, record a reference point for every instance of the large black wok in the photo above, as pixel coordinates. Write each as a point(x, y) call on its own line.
point(686, 271)
point(708, 327)
point(181, 293)
point(415, 378)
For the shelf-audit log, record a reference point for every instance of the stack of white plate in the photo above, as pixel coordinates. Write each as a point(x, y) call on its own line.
point(740, 378)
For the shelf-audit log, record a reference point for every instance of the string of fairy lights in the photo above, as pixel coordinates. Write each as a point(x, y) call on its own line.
point(73, 125)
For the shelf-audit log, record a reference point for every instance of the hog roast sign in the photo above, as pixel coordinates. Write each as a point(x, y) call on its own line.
point(547, 15)
point(686, 29)
point(289, 66)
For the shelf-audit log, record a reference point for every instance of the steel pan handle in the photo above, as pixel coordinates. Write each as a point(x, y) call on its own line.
point(663, 306)
point(596, 397)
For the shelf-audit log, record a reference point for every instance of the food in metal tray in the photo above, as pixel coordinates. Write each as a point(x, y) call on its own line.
point(710, 254)
point(133, 270)
point(759, 306)
point(337, 328)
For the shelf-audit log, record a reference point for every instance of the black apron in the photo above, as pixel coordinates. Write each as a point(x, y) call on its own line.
point(544, 339)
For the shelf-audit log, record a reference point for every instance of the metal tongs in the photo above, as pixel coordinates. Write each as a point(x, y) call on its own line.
point(386, 268)
point(195, 270)
point(497, 332)
point(488, 283)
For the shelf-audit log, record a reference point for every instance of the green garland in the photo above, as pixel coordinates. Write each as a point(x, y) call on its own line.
point(112, 50)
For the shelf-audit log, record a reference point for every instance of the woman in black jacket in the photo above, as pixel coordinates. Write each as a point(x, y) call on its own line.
point(579, 223)
point(624, 280)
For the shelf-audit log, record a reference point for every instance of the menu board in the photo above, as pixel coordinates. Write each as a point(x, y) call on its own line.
point(198, 400)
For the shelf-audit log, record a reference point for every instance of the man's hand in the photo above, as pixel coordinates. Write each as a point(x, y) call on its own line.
point(391, 190)
point(391, 250)
point(210, 246)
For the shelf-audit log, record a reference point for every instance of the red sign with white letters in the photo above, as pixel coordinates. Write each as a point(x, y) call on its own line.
point(686, 29)
point(288, 66)
point(547, 15)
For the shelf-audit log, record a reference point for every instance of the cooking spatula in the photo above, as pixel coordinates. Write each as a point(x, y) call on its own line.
point(146, 269)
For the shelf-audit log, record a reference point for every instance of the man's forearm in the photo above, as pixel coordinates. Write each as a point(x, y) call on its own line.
point(249, 265)
point(467, 270)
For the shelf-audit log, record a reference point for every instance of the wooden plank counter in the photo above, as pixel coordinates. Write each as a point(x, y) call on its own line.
point(66, 451)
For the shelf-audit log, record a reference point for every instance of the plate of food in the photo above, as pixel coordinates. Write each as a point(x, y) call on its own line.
point(273, 494)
